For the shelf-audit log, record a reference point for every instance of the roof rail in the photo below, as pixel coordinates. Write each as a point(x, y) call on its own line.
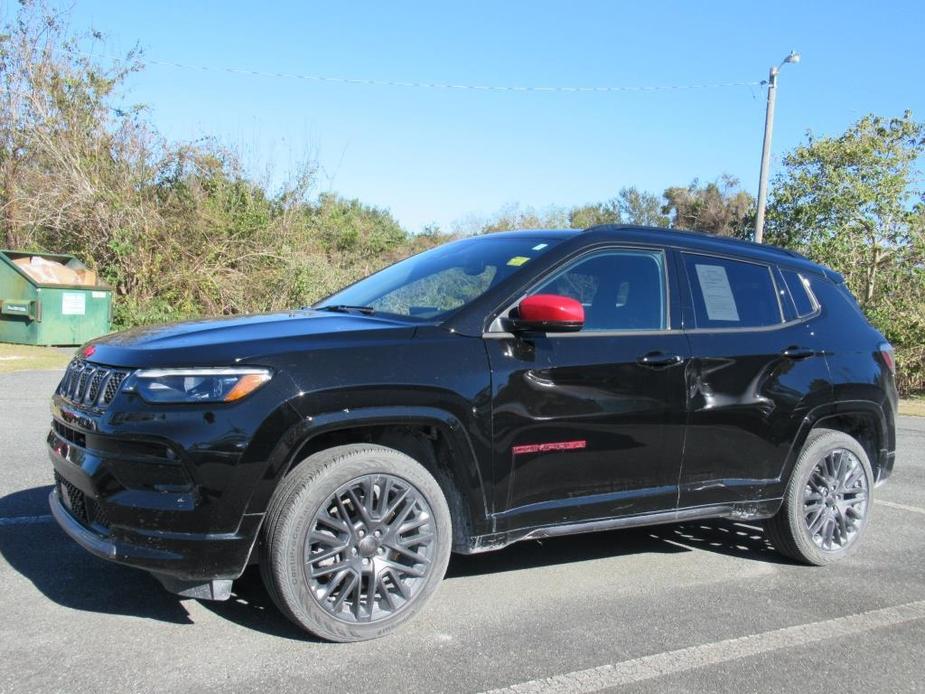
point(698, 234)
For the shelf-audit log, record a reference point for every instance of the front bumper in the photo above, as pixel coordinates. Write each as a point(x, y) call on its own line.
point(109, 498)
point(141, 557)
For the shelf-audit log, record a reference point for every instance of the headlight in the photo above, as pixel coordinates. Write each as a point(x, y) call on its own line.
point(196, 385)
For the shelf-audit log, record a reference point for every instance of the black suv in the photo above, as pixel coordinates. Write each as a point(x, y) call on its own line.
point(498, 388)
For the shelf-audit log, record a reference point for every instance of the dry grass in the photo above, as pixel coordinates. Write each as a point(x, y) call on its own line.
point(912, 406)
point(28, 358)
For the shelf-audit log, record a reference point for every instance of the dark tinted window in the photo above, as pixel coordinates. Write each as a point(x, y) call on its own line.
point(620, 290)
point(731, 293)
point(799, 292)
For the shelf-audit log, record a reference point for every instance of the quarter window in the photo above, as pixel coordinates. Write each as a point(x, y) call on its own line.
point(799, 292)
point(731, 293)
point(620, 290)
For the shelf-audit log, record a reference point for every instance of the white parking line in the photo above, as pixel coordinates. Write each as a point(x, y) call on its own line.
point(652, 666)
point(25, 520)
point(901, 507)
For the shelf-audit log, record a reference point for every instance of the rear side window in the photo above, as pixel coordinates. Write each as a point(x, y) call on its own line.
point(799, 292)
point(731, 293)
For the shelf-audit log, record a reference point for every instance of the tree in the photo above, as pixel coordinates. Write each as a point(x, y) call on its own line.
point(513, 217)
point(644, 209)
point(851, 199)
point(592, 214)
point(631, 206)
point(720, 207)
point(58, 128)
point(855, 202)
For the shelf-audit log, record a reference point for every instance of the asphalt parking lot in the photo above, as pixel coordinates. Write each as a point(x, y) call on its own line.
point(699, 607)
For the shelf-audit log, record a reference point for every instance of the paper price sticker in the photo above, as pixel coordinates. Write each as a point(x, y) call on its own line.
point(717, 294)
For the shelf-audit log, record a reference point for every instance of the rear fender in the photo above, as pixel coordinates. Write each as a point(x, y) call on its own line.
point(818, 416)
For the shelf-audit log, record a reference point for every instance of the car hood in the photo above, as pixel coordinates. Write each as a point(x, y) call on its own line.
point(224, 341)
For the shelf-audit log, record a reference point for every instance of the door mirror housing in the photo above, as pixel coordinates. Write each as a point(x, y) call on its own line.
point(548, 313)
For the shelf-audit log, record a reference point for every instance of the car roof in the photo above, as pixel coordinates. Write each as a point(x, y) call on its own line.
point(705, 242)
point(684, 239)
point(532, 233)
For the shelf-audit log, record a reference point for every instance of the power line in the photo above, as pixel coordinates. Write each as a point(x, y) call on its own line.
point(448, 85)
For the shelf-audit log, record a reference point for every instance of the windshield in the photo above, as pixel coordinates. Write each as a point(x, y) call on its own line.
point(435, 282)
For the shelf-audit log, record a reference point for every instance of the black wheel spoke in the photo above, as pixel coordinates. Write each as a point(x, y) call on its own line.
point(330, 521)
point(385, 487)
point(318, 572)
point(410, 554)
point(360, 507)
point(383, 589)
point(338, 582)
point(321, 556)
point(395, 504)
point(399, 585)
point(342, 511)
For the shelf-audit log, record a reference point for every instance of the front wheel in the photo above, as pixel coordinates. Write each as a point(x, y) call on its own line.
point(356, 540)
point(827, 503)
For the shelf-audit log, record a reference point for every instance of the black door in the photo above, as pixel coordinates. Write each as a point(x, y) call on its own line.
point(757, 368)
point(590, 424)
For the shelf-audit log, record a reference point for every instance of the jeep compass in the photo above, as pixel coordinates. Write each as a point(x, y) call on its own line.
point(498, 388)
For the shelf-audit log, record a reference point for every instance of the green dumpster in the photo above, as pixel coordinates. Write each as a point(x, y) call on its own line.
point(49, 299)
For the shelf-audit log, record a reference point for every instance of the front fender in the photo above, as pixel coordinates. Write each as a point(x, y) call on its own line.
point(290, 431)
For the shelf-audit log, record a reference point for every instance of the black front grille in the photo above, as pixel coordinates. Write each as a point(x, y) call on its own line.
point(69, 434)
point(90, 384)
point(81, 506)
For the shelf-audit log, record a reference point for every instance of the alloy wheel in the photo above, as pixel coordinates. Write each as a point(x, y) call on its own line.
point(836, 500)
point(369, 548)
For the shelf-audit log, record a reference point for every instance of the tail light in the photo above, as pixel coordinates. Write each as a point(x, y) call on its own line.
point(886, 351)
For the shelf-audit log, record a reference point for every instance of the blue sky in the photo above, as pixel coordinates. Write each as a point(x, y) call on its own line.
point(439, 155)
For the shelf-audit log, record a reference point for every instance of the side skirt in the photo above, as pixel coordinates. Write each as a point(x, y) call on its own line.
point(744, 510)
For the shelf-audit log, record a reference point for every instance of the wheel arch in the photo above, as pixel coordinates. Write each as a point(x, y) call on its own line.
point(863, 420)
point(433, 437)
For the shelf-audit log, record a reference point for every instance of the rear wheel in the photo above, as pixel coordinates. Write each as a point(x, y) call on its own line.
point(356, 540)
point(827, 503)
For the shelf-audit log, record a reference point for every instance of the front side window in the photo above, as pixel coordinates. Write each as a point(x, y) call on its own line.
point(620, 290)
point(731, 293)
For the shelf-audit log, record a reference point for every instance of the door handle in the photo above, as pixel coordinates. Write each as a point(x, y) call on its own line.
point(659, 359)
point(798, 353)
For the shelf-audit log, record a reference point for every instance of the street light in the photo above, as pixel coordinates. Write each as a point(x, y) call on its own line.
point(794, 57)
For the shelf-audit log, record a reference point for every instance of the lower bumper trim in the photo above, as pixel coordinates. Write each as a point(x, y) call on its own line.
point(189, 560)
point(86, 538)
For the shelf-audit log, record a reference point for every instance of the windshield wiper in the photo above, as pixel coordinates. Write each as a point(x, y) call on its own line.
point(344, 308)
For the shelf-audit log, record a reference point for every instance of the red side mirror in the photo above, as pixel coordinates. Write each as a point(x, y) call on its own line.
point(549, 313)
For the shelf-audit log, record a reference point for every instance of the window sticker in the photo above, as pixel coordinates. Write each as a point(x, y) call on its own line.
point(717, 294)
point(73, 304)
point(517, 260)
point(540, 246)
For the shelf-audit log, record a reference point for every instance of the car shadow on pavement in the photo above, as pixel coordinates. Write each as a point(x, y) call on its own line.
point(63, 572)
point(731, 538)
point(69, 576)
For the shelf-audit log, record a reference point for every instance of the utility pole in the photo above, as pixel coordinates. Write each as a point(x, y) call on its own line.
point(794, 57)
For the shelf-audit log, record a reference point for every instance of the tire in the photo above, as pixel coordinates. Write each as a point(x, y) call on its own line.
point(345, 582)
point(811, 491)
